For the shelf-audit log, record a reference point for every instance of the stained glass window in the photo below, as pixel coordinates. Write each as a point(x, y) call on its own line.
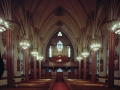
point(69, 51)
point(59, 46)
point(50, 51)
point(59, 34)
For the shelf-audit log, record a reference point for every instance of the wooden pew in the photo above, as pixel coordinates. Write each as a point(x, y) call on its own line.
point(77, 84)
point(32, 85)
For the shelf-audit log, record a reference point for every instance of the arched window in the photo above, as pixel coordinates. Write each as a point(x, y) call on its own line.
point(59, 34)
point(69, 51)
point(50, 51)
point(59, 46)
point(59, 70)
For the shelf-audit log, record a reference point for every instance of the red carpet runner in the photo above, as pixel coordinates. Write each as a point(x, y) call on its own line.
point(60, 86)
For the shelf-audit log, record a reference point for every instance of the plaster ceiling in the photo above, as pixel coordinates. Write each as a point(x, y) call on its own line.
point(80, 20)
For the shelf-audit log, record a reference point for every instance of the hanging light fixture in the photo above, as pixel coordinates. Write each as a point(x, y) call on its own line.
point(79, 58)
point(85, 53)
point(114, 25)
point(2, 25)
point(34, 52)
point(117, 31)
point(39, 57)
point(95, 44)
point(24, 43)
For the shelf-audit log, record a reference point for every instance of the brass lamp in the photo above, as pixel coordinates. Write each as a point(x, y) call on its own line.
point(95, 44)
point(34, 52)
point(24, 43)
point(2, 25)
point(79, 58)
point(39, 57)
point(114, 25)
point(85, 53)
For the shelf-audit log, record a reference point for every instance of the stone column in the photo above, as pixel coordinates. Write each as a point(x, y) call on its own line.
point(39, 69)
point(9, 55)
point(26, 65)
point(79, 69)
point(93, 66)
point(111, 60)
point(35, 67)
point(85, 69)
point(111, 46)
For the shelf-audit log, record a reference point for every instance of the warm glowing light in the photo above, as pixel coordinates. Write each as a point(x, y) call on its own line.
point(85, 53)
point(117, 31)
point(34, 52)
point(39, 57)
point(95, 44)
point(59, 60)
point(25, 43)
point(79, 58)
point(114, 25)
point(2, 25)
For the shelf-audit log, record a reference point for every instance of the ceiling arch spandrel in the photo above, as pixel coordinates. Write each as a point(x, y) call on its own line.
point(46, 7)
point(76, 11)
point(65, 19)
point(64, 29)
point(39, 14)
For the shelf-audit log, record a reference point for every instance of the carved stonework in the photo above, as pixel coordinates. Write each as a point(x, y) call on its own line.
point(116, 61)
point(116, 42)
point(10, 24)
point(18, 50)
point(4, 42)
point(59, 11)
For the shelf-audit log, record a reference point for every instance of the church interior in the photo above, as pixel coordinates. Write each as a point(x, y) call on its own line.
point(59, 44)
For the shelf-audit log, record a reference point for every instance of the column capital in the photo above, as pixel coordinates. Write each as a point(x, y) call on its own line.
point(9, 24)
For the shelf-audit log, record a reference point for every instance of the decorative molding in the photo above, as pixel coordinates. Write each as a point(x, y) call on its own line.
point(59, 11)
point(116, 42)
point(111, 23)
point(4, 42)
point(59, 23)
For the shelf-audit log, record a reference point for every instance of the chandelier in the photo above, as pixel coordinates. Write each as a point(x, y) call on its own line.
point(2, 25)
point(34, 52)
point(25, 43)
point(85, 53)
point(114, 25)
point(39, 57)
point(95, 44)
point(117, 31)
point(79, 58)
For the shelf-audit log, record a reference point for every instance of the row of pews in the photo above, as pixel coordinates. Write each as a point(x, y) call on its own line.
point(77, 84)
point(39, 84)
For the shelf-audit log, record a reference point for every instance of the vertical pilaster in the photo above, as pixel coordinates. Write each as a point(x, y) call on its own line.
point(9, 59)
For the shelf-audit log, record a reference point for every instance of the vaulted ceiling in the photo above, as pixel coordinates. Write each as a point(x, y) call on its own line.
point(80, 20)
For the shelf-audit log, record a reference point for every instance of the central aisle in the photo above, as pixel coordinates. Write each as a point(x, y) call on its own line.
point(60, 86)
